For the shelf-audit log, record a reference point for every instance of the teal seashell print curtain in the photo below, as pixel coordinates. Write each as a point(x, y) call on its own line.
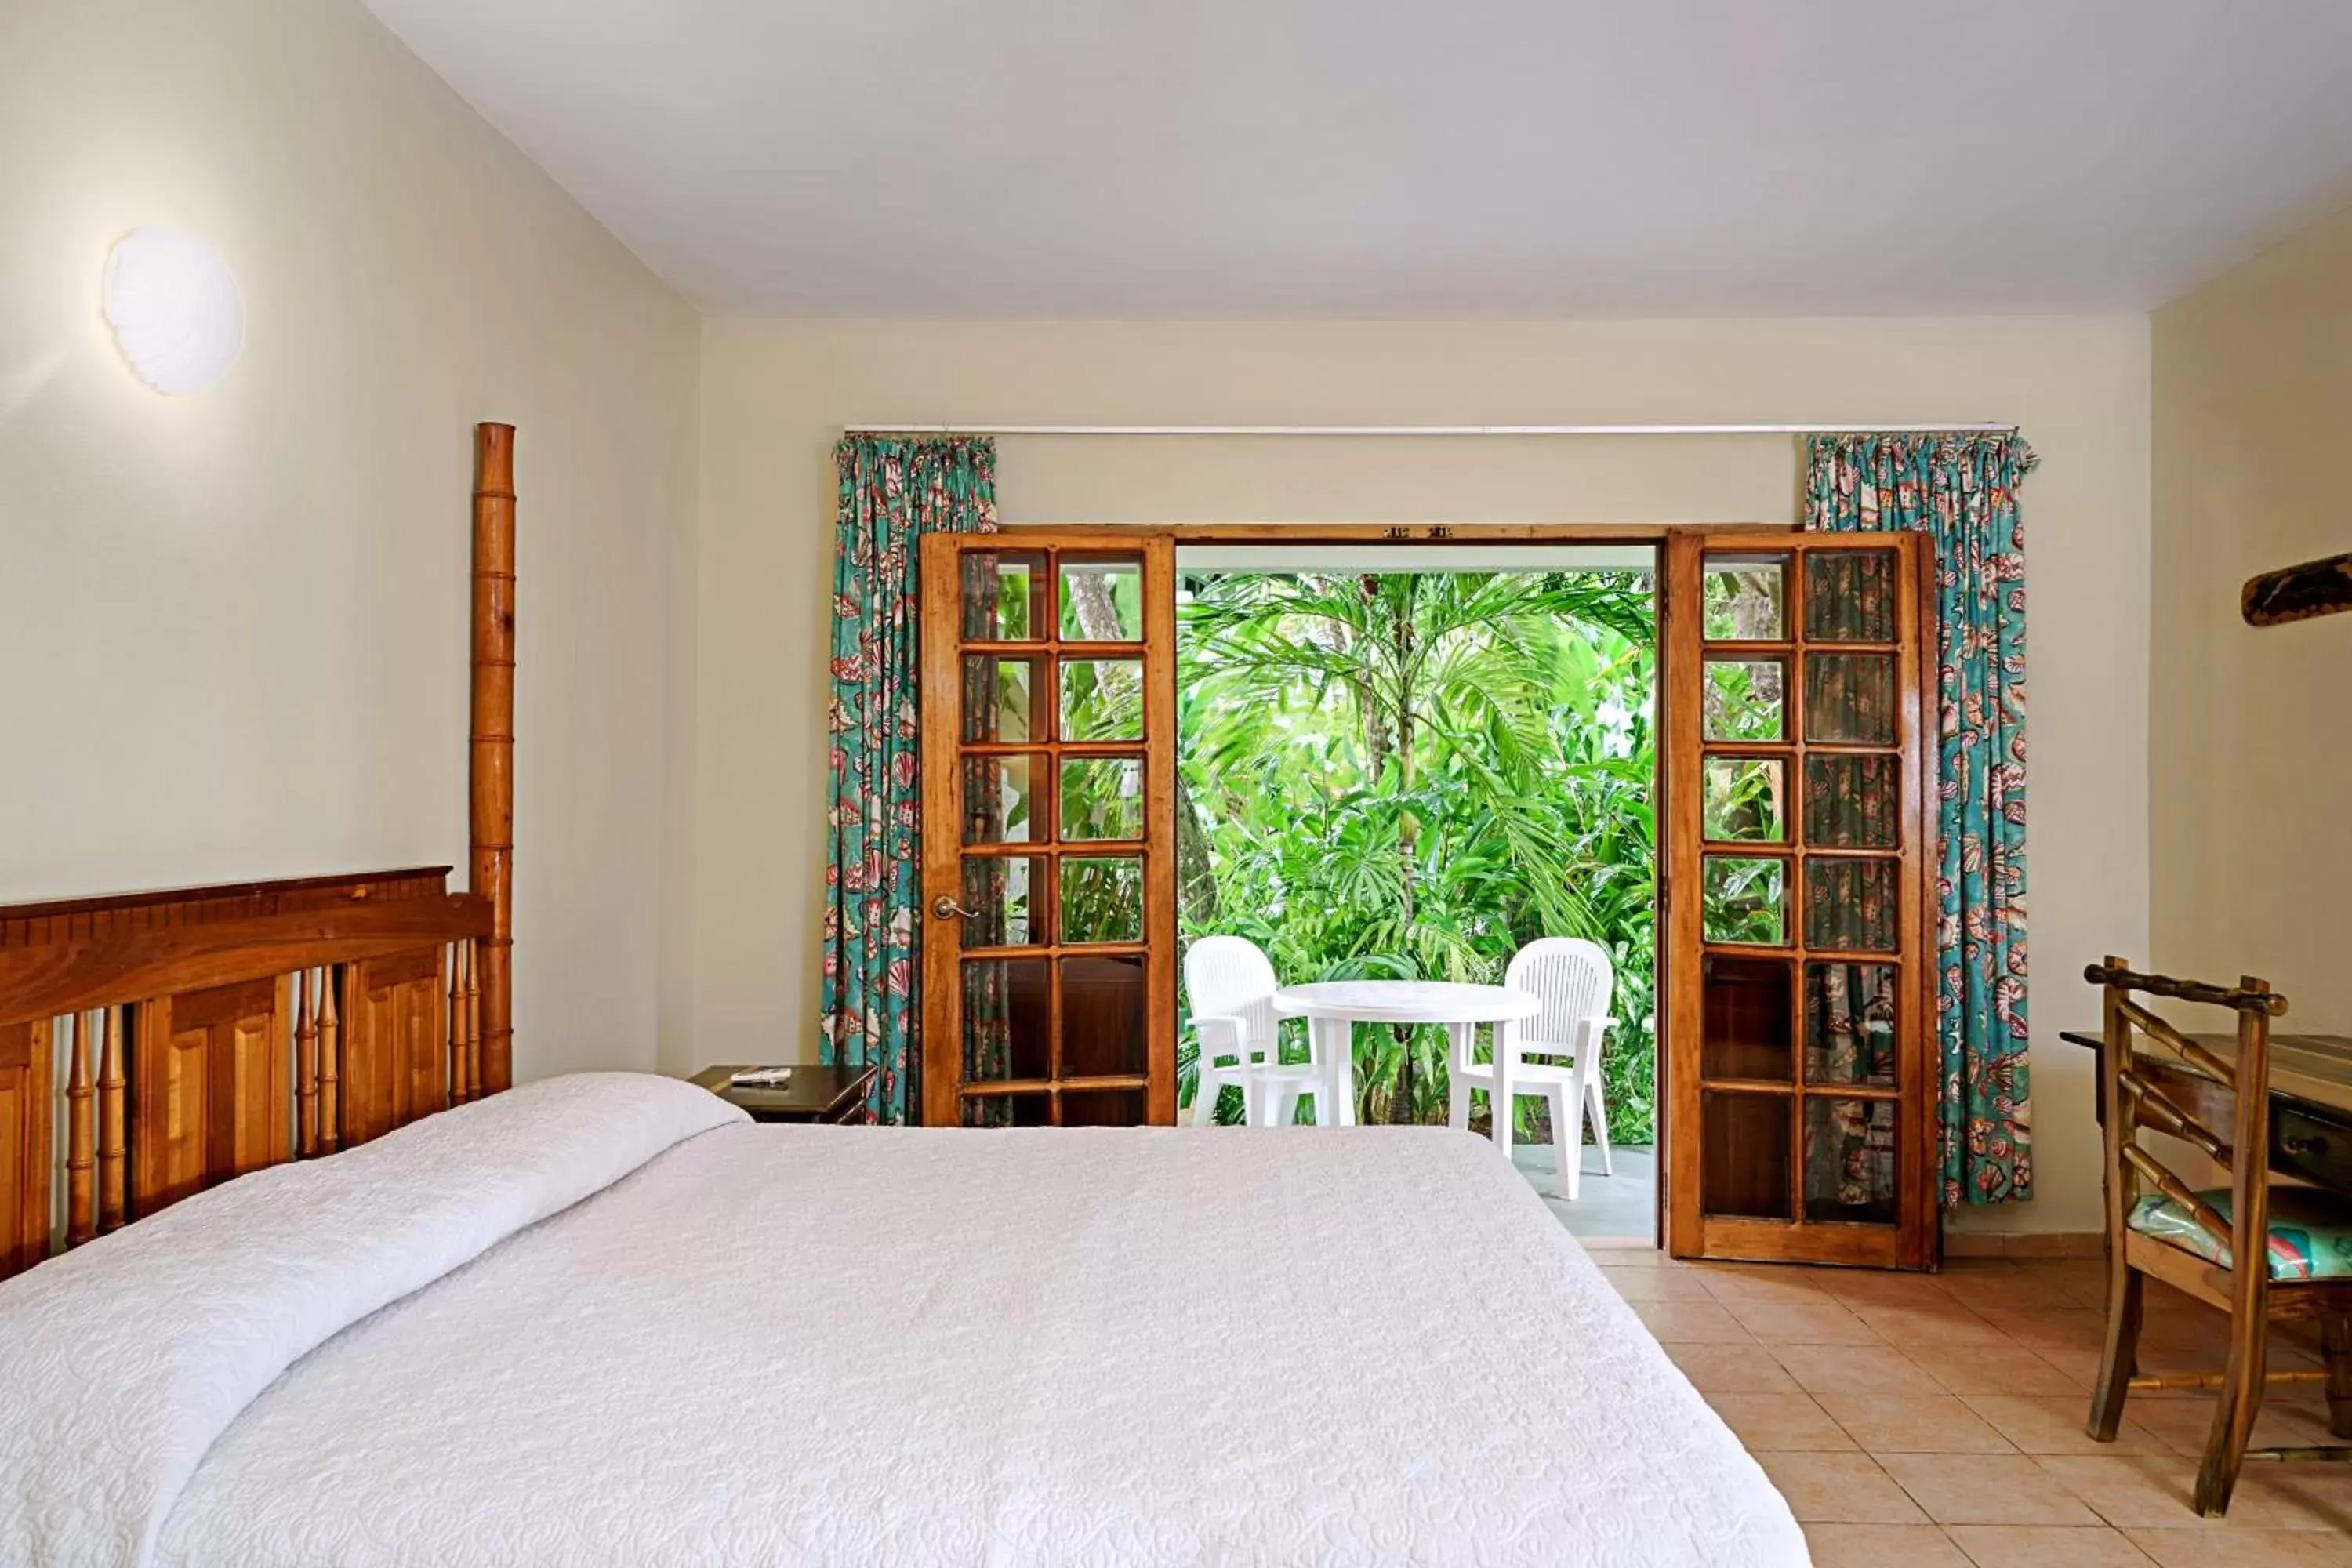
point(1961, 491)
point(893, 490)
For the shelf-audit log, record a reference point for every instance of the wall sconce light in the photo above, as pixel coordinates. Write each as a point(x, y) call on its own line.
point(174, 308)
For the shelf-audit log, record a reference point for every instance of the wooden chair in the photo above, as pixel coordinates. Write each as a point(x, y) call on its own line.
point(2195, 1241)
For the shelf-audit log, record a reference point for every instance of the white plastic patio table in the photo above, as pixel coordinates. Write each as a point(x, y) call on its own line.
point(1332, 1007)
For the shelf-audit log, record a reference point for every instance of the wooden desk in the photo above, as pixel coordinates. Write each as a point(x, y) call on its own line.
point(2311, 1100)
point(834, 1094)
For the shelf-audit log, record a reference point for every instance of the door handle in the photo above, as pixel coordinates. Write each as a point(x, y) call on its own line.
point(944, 907)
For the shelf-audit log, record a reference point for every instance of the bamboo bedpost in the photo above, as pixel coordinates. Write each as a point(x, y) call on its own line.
point(492, 772)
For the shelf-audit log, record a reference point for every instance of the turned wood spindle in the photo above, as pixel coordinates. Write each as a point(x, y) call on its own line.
point(473, 1019)
point(458, 1092)
point(330, 1065)
point(306, 1064)
point(112, 1167)
point(81, 1164)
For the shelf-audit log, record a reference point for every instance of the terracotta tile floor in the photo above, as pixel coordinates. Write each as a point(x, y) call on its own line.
point(1913, 1420)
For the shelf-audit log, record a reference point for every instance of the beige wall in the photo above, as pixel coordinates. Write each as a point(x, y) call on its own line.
point(2252, 744)
point(235, 624)
point(776, 394)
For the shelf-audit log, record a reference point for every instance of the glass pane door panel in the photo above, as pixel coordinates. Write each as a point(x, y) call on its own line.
point(1102, 1016)
point(1102, 797)
point(1852, 905)
point(1102, 1108)
point(1743, 699)
point(1007, 1029)
point(1031, 1109)
point(998, 798)
point(1001, 591)
point(1000, 699)
point(1102, 600)
point(1745, 1169)
point(1850, 1021)
point(1797, 1012)
point(1849, 1160)
point(1102, 700)
point(1746, 900)
point(1850, 699)
point(1854, 801)
point(1850, 596)
point(1102, 898)
point(1000, 891)
point(1044, 958)
point(1748, 1012)
point(1743, 800)
point(1745, 600)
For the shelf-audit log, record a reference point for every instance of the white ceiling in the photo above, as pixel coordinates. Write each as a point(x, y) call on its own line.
point(1419, 158)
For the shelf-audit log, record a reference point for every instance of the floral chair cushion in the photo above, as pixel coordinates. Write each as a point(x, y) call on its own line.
point(2311, 1231)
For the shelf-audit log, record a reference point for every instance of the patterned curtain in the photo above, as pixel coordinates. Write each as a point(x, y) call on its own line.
point(893, 490)
point(1961, 491)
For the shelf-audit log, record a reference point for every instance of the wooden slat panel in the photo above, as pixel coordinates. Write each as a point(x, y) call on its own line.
point(214, 1078)
point(394, 1056)
point(24, 1145)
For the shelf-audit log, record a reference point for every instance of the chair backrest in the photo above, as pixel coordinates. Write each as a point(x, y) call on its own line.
point(1232, 976)
point(1571, 977)
point(2220, 1108)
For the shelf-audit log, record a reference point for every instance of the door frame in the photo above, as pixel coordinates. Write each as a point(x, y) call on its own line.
point(939, 709)
point(1916, 1238)
point(1667, 784)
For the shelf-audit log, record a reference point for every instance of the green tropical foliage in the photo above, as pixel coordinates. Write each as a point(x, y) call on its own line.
point(1412, 774)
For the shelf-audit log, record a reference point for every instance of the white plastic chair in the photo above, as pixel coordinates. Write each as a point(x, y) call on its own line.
point(1229, 982)
point(1575, 982)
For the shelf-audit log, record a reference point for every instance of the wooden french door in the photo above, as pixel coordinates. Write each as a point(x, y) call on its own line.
point(1049, 829)
point(1802, 1050)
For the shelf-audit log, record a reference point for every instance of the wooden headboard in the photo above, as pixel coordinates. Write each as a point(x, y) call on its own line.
point(153, 1044)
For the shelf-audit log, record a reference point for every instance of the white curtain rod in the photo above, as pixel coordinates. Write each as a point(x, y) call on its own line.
point(1960, 427)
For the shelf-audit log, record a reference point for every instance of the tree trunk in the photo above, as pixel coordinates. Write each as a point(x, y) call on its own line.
point(1408, 830)
point(1090, 600)
point(1196, 877)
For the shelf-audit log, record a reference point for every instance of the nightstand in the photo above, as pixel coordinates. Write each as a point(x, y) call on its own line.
point(832, 1094)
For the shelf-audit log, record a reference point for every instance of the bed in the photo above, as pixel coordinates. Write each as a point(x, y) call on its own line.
point(289, 1273)
point(605, 1319)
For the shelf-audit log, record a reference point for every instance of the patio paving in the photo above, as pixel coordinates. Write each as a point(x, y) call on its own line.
point(1623, 1207)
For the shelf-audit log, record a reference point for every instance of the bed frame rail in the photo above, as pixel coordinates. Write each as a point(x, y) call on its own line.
point(153, 1044)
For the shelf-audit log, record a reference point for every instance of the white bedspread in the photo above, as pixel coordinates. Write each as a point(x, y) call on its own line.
point(800, 1344)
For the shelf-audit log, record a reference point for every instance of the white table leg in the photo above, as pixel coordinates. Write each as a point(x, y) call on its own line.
point(1459, 1038)
point(1339, 1053)
point(1507, 1089)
